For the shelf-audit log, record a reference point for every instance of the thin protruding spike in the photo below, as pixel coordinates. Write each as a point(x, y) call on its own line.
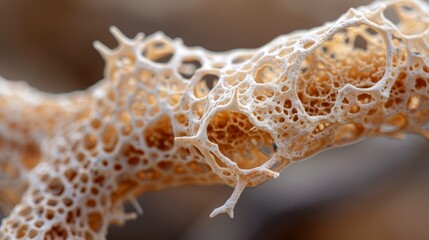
point(136, 205)
point(270, 173)
point(139, 37)
point(102, 49)
point(118, 35)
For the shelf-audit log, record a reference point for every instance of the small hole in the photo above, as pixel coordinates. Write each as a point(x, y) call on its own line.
point(391, 15)
point(371, 31)
point(365, 98)
point(354, 109)
point(188, 68)
point(420, 83)
point(308, 44)
point(56, 187)
point(360, 43)
point(164, 59)
point(266, 73)
point(205, 85)
point(159, 52)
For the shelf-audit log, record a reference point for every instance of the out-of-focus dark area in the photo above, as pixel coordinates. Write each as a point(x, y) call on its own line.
point(376, 189)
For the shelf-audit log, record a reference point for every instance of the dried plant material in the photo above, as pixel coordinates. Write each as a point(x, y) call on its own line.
point(167, 115)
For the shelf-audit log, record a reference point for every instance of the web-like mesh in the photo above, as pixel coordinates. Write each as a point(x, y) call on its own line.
point(168, 115)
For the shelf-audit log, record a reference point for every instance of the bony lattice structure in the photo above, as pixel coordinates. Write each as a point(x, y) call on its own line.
point(167, 115)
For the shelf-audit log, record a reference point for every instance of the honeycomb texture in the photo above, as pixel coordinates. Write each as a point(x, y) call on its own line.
point(167, 115)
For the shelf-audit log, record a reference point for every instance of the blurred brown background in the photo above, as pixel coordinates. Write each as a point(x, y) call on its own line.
point(377, 189)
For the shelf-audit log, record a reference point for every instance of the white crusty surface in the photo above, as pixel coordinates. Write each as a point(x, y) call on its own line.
point(166, 115)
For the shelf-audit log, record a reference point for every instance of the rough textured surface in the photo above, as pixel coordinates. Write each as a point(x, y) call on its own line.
point(167, 115)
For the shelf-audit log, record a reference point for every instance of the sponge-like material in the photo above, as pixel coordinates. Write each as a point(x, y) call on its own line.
point(166, 115)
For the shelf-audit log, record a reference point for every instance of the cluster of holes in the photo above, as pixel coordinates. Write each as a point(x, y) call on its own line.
point(398, 91)
point(49, 205)
point(355, 55)
point(159, 134)
point(239, 140)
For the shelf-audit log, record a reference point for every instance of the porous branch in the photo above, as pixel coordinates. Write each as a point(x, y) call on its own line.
point(166, 115)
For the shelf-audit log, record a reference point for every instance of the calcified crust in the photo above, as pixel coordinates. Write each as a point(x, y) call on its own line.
point(167, 115)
